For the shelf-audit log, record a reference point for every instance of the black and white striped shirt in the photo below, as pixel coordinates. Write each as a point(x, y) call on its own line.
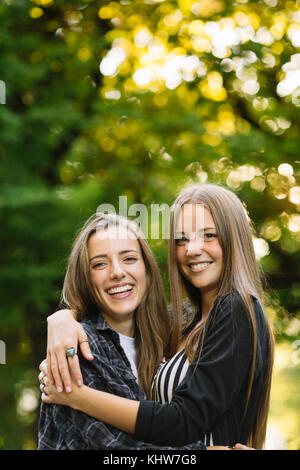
point(169, 375)
point(172, 372)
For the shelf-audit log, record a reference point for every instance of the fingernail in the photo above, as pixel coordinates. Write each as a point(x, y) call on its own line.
point(59, 389)
point(79, 383)
point(90, 356)
point(68, 390)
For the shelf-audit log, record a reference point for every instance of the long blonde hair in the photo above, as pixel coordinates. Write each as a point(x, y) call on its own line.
point(151, 316)
point(240, 273)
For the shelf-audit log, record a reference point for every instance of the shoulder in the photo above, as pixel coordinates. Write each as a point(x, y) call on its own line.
point(233, 307)
point(230, 308)
point(230, 304)
point(96, 337)
point(88, 326)
point(233, 302)
point(90, 329)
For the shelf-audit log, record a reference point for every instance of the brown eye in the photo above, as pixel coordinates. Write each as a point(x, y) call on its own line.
point(98, 265)
point(181, 241)
point(210, 236)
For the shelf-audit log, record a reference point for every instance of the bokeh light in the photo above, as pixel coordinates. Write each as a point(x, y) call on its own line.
point(142, 98)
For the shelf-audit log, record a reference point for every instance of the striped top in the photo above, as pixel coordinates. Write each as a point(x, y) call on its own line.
point(171, 373)
point(168, 377)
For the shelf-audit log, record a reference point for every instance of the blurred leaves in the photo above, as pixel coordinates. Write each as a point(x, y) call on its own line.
point(138, 98)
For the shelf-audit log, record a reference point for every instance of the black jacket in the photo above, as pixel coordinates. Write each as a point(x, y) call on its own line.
point(212, 397)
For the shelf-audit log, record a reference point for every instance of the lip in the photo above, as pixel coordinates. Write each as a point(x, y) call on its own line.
point(203, 266)
point(200, 262)
point(121, 295)
point(114, 286)
point(192, 263)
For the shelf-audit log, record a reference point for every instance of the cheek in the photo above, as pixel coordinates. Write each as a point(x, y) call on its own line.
point(97, 279)
point(218, 253)
point(139, 274)
point(180, 254)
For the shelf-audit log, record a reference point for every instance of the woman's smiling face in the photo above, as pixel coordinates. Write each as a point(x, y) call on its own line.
point(198, 250)
point(118, 273)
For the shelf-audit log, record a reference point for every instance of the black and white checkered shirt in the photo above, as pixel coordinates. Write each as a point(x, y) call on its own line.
point(63, 428)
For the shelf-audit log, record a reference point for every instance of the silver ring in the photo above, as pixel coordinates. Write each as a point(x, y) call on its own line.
point(41, 379)
point(84, 341)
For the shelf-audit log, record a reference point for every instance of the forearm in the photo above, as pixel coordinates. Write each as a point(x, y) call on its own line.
point(111, 409)
point(209, 389)
point(101, 435)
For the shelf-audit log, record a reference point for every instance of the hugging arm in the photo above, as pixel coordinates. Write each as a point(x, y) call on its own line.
point(83, 431)
point(65, 332)
point(199, 401)
point(223, 366)
point(211, 386)
point(102, 436)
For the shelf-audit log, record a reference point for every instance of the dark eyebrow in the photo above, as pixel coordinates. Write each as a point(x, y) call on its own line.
point(201, 230)
point(123, 252)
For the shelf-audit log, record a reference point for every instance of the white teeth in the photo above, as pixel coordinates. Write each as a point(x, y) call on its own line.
point(118, 290)
point(200, 266)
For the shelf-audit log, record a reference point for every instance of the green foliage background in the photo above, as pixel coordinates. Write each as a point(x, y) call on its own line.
point(73, 137)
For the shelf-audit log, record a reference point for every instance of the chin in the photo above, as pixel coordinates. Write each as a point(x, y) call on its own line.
point(202, 285)
point(126, 310)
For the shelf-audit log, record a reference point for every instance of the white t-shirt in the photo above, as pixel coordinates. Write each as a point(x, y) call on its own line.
point(128, 344)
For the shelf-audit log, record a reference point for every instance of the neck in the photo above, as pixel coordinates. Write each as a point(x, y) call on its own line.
point(125, 326)
point(207, 299)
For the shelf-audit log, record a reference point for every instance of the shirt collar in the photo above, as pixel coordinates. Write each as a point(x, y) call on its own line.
point(98, 322)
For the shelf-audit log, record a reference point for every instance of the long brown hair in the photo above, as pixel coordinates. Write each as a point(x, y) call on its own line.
point(151, 317)
point(240, 273)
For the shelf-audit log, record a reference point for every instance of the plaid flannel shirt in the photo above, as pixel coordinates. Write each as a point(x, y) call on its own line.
point(63, 428)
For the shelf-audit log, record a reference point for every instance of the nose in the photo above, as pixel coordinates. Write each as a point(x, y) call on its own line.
point(117, 271)
point(194, 246)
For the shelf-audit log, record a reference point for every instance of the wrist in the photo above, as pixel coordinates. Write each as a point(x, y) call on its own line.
point(77, 398)
point(61, 315)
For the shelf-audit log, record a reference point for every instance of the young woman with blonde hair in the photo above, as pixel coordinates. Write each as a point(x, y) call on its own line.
point(215, 382)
